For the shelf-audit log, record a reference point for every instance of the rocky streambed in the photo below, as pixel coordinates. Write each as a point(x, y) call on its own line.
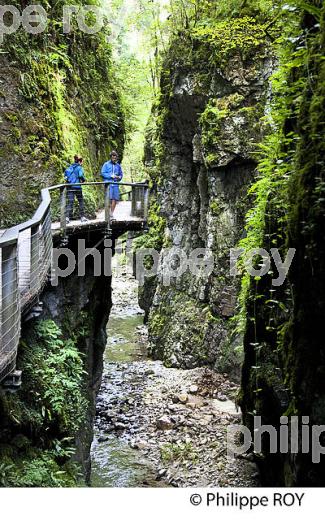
point(159, 426)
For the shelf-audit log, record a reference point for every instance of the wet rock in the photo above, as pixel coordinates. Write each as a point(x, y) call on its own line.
point(139, 444)
point(164, 423)
point(247, 456)
point(102, 439)
point(142, 445)
point(120, 426)
point(109, 429)
point(182, 398)
point(161, 473)
point(221, 397)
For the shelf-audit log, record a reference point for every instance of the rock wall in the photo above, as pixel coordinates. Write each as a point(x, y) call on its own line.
point(58, 98)
point(200, 156)
point(283, 371)
point(205, 127)
point(47, 427)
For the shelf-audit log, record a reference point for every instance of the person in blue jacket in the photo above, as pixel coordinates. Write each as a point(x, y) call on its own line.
point(74, 174)
point(112, 172)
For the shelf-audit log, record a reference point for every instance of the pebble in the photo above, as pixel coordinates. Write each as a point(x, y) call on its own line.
point(193, 389)
point(164, 423)
point(221, 398)
point(183, 398)
point(102, 439)
point(120, 426)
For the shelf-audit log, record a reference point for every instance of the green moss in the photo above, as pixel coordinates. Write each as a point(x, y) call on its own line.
point(215, 208)
point(180, 324)
point(282, 337)
point(232, 37)
point(158, 322)
point(210, 121)
point(50, 407)
point(11, 116)
point(155, 237)
point(69, 104)
point(276, 156)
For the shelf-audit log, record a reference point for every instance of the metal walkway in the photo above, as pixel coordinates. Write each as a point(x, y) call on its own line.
point(26, 251)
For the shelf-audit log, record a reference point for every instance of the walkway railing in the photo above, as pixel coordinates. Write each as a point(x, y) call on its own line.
point(137, 196)
point(26, 258)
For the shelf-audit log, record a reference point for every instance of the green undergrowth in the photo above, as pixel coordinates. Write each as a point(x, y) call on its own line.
point(283, 324)
point(276, 161)
point(154, 239)
point(41, 420)
point(180, 452)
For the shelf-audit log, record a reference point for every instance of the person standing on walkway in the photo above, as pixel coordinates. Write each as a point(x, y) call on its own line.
point(74, 174)
point(112, 172)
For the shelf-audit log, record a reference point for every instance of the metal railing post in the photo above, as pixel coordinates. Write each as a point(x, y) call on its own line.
point(35, 261)
point(146, 202)
point(48, 244)
point(107, 207)
point(139, 201)
point(63, 207)
point(134, 201)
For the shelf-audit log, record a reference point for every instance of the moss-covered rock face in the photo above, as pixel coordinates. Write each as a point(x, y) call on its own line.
point(284, 353)
point(47, 427)
point(201, 161)
point(58, 97)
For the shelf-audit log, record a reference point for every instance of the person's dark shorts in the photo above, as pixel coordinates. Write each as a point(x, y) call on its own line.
point(114, 192)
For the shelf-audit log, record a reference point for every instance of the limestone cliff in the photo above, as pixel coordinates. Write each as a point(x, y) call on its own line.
point(200, 154)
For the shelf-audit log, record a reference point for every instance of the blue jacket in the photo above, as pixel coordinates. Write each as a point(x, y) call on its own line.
point(109, 170)
point(74, 174)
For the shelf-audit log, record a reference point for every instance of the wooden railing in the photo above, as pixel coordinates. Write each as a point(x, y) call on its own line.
point(26, 258)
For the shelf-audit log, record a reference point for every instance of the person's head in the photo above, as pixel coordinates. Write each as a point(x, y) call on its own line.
point(78, 159)
point(114, 156)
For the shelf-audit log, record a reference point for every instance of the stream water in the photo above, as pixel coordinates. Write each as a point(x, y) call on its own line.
point(158, 426)
point(114, 462)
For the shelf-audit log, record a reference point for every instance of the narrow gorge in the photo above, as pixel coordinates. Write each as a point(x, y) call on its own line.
point(132, 380)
